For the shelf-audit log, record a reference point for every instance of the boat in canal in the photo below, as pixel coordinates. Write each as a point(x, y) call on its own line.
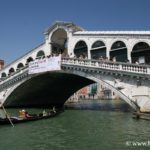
point(25, 117)
point(15, 120)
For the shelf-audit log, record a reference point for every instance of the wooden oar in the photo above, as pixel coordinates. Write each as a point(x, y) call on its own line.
point(7, 115)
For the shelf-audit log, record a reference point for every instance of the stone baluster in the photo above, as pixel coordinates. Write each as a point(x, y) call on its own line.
point(97, 64)
point(140, 69)
point(148, 70)
point(145, 70)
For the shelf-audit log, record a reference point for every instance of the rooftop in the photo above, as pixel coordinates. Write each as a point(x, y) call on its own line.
point(112, 32)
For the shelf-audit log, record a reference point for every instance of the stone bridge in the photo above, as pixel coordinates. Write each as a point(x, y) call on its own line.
point(129, 81)
point(81, 52)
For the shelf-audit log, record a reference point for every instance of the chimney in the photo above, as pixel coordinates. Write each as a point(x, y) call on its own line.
point(1, 64)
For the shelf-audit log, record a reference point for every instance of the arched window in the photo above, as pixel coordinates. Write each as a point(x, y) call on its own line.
point(3, 75)
point(141, 53)
point(59, 42)
point(11, 70)
point(81, 50)
point(98, 50)
point(98, 44)
point(118, 52)
point(20, 65)
point(40, 54)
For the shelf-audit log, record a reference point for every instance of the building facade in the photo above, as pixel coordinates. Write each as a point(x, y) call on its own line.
point(1, 64)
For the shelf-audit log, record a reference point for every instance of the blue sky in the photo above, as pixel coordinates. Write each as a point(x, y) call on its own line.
point(22, 22)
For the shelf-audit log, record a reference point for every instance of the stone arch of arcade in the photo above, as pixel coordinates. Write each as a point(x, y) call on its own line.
point(118, 51)
point(58, 41)
point(20, 65)
point(29, 59)
point(40, 54)
point(11, 71)
point(81, 49)
point(98, 50)
point(3, 75)
point(141, 53)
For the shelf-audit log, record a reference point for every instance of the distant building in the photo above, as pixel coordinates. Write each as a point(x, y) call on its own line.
point(93, 91)
point(1, 64)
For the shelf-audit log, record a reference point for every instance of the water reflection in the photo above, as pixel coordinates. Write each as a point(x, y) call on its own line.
point(107, 105)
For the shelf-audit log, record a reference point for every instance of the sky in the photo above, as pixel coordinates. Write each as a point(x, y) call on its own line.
point(22, 22)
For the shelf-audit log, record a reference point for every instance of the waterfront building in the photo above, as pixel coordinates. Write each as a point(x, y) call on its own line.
point(1, 64)
point(93, 91)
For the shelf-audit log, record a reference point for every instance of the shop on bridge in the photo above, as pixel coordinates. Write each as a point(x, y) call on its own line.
point(81, 50)
point(118, 52)
point(98, 50)
point(141, 53)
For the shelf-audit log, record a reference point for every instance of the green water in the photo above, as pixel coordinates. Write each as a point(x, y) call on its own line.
point(77, 130)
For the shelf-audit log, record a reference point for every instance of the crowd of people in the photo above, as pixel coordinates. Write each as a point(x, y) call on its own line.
point(84, 56)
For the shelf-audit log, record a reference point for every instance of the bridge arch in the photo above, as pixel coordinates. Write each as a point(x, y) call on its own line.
point(81, 49)
point(118, 51)
point(42, 90)
point(99, 79)
point(40, 54)
point(98, 50)
point(141, 53)
point(47, 86)
point(59, 42)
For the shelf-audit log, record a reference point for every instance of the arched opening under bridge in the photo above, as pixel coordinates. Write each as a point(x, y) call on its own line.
point(52, 89)
point(47, 89)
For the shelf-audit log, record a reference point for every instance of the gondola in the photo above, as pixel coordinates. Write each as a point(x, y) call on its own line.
point(15, 120)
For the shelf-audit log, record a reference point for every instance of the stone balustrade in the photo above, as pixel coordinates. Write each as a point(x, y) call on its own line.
point(99, 64)
point(109, 65)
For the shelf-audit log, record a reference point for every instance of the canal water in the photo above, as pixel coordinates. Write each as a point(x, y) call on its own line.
point(77, 130)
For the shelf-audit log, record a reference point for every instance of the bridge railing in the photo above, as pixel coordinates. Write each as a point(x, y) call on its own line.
point(14, 74)
point(103, 64)
point(109, 65)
